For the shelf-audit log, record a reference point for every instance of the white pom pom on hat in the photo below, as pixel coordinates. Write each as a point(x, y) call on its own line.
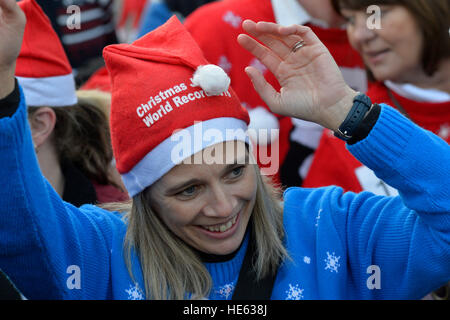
point(264, 126)
point(212, 79)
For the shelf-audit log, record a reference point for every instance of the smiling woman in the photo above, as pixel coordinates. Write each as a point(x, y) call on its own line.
point(208, 209)
point(220, 230)
point(412, 42)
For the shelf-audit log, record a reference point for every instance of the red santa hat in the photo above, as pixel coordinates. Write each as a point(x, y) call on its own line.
point(98, 81)
point(168, 104)
point(43, 69)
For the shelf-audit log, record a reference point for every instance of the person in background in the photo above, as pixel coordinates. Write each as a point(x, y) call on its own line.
point(155, 13)
point(409, 59)
point(71, 135)
point(99, 81)
point(159, 11)
point(294, 146)
point(84, 27)
point(129, 15)
point(115, 190)
point(192, 229)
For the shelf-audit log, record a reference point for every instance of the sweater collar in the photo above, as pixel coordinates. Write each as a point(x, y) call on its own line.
point(228, 271)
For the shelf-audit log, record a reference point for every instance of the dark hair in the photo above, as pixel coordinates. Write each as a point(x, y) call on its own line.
point(185, 7)
point(433, 18)
point(81, 135)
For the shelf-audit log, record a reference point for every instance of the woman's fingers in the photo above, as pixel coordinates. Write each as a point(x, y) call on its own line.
point(265, 90)
point(290, 34)
point(289, 39)
point(303, 32)
point(272, 41)
point(265, 55)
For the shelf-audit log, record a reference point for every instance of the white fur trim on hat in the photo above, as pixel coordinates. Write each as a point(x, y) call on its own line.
point(180, 146)
point(264, 126)
point(212, 79)
point(58, 91)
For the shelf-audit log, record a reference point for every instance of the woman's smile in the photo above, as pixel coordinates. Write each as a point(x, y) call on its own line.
point(374, 57)
point(221, 231)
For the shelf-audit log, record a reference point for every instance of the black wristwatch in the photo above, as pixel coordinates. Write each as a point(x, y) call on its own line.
point(361, 105)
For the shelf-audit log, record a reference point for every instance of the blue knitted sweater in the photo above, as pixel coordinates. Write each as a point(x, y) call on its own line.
point(342, 245)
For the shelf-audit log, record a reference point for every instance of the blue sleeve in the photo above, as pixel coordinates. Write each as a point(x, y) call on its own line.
point(43, 240)
point(155, 14)
point(406, 238)
point(412, 230)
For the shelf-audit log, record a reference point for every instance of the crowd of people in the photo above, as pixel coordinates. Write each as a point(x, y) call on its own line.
point(119, 170)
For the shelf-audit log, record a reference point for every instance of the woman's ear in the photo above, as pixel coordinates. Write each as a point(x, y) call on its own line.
point(42, 123)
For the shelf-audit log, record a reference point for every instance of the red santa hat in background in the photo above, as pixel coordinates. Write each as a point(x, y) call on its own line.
point(99, 80)
point(43, 69)
point(166, 98)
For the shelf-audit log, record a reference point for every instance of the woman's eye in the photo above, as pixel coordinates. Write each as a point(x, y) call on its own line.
point(385, 9)
point(384, 13)
point(188, 192)
point(237, 172)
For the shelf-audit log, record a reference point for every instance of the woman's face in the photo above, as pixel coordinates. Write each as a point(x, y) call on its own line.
point(209, 206)
point(392, 52)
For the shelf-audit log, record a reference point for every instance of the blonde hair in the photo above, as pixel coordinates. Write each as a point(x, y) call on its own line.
point(100, 99)
point(172, 270)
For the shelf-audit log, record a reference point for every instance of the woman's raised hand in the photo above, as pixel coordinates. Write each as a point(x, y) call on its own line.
point(312, 86)
point(12, 26)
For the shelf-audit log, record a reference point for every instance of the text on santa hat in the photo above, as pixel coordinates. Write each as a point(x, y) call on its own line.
point(161, 104)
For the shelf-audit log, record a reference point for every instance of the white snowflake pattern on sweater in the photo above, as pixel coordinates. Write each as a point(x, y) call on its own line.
point(225, 64)
point(294, 292)
point(332, 262)
point(444, 131)
point(318, 218)
point(135, 293)
point(232, 19)
point(226, 291)
point(255, 63)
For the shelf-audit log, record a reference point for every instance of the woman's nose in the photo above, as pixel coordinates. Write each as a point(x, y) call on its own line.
point(359, 32)
point(220, 203)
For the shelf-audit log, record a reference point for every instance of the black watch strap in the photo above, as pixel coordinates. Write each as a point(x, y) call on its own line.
point(361, 105)
point(366, 125)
